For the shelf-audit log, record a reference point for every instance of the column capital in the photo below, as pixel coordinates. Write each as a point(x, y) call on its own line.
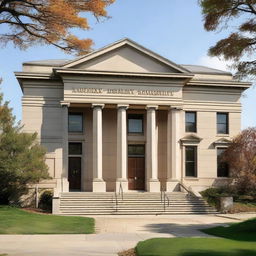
point(125, 106)
point(152, 107)
point(65, 104)
point(97, 105)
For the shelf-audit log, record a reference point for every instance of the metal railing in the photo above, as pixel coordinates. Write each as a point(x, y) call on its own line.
point(121, 191)
point(116, 201)
point(190, 193)
point(164, 198)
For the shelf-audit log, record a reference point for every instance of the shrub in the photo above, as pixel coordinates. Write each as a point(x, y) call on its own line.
point(45, 201)
point(212, 195)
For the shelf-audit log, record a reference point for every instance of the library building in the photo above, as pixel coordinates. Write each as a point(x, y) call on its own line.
point(125, 117)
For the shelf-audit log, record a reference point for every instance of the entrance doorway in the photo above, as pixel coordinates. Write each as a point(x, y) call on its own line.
point(74, 173)
point(136, 167)
point(75, 166)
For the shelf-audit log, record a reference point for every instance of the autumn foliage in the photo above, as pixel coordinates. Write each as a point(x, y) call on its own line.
point(241, 157)
point(49, 21)
point(240, 45)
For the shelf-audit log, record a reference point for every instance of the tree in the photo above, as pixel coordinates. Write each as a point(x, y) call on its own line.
point(49, 21)
point(240, 45)
point(241, 157)
point(22, 159)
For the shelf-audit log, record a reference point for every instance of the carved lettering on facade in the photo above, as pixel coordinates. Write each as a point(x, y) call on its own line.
point(122, 91)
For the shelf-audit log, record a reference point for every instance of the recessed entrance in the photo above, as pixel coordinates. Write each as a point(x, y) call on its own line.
point(136, 167)
point(74, 173)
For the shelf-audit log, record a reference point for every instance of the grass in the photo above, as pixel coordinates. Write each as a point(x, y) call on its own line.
point(243, 231)
point(238, 240)
point(17, 221)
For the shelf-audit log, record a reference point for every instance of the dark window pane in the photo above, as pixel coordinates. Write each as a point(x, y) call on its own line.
point(190, 121)
point(191, 161)
point(135, 124)
point(222, 123)
point(75, 148)
point(136, 150)
point(223, 168)
point(75, 122)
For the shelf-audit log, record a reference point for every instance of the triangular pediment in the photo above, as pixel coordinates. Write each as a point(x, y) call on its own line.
point(190, 139)
point(125, 56)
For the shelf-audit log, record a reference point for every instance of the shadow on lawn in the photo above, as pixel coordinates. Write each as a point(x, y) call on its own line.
point(210, 253)
point(180, 230)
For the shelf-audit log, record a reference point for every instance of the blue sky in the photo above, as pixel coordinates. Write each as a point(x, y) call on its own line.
point(173, 29)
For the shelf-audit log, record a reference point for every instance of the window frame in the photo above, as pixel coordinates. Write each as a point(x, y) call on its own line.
point(76, 113)
point(227, 123)
point(142, 119)
point(195, 124)
point(195, 161)
point(217, 161)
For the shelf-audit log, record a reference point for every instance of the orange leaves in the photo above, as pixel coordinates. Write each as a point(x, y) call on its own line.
point(50, 21)
point(82, 46)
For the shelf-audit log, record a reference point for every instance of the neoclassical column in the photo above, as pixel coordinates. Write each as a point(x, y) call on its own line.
point(173, 148)
point(121, 164)
point(153, 184)
point(98, 185)
point(64, 176)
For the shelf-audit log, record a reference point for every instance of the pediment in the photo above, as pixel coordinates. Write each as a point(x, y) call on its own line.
point(125, 56)
point(222, 142)
point(190, 139)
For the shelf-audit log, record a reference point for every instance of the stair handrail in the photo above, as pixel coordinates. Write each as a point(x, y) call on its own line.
point(164, 197)
point(121, 191)
point(116, 200)
point(188, 191)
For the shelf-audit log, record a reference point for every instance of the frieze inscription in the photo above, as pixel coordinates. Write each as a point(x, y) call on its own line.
point(122, 91)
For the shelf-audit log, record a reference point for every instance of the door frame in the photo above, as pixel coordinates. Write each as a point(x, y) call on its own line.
point(81, 156)
point(137, 156)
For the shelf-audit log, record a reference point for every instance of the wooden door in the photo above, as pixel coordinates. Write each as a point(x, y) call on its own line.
point(74, 173)
point(136, 173)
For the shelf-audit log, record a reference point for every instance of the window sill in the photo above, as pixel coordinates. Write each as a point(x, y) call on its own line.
point(223, 135)
point(191, 178)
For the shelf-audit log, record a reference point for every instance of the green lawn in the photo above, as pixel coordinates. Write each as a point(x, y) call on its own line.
point(239, 241)
point(18, 221)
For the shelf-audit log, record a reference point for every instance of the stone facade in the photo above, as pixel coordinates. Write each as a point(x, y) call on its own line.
point(106, 87)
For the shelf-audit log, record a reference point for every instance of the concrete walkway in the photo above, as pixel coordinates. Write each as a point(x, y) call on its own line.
point(114, 234)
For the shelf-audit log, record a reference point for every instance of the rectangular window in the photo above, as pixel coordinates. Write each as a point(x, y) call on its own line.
point(75, 148)
point(222, 123)
point(75, 122)
point(222, 166)
point(135, 123)
point(190, 121)
point(136, 150)
point(191, 161)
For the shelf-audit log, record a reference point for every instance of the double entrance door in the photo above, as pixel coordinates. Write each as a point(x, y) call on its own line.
point(136, 167)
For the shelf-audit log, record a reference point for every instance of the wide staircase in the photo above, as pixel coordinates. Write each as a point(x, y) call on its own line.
point(134, 203)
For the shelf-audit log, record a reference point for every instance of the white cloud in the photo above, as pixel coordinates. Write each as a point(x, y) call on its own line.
point(214, 62)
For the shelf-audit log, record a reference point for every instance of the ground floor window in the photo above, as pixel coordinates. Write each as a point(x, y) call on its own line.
point(222, 166)
point(191, 161)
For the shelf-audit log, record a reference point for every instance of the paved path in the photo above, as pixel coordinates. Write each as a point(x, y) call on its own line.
point(114, 234)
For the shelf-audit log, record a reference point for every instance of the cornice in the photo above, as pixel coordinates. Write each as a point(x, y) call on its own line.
point(65, 71)
point(219, 83)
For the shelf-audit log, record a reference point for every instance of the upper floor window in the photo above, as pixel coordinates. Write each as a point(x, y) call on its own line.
point(190, 121)
point(135, 123)
point(222, 123)
point(191, 161)
point(75, 122)
point(222, 166)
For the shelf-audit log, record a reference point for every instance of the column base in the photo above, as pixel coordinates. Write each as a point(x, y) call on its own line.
point(153, 186)
point(172, 185)
point(98, 186)
point(124, 183)
point(65, 185)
